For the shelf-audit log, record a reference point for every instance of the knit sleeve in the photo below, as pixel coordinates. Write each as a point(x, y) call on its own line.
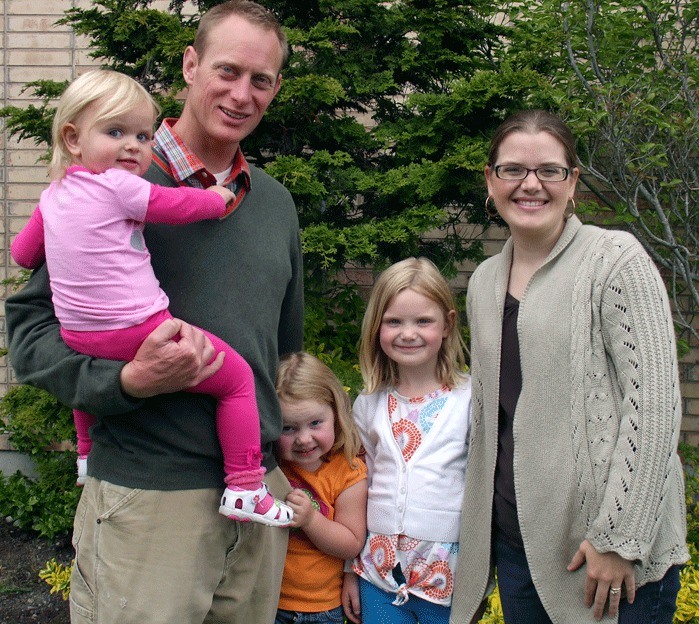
point(472, 295)
point(639, 345)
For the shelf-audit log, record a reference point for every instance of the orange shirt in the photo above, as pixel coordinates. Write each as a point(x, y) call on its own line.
point(312, 580)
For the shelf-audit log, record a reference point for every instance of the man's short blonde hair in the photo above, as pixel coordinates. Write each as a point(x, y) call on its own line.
point(247, 9)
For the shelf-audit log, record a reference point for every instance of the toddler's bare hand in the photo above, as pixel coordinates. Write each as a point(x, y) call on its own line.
point(228, 196)
point(303, 508)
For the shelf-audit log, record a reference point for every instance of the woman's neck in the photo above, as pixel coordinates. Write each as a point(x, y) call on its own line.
point(528, 255)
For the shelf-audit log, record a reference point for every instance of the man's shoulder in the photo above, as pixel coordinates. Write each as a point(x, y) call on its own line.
point(262, 178)
point(156, 174)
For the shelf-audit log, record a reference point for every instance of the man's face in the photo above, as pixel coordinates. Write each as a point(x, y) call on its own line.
point(232, 83)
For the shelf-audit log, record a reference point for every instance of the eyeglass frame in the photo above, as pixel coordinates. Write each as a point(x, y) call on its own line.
point(567, 170)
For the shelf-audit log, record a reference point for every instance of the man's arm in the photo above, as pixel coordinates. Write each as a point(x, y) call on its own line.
point(41, 358)
point(290, 333)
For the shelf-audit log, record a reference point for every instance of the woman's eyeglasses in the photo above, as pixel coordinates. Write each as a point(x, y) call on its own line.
point(545, 174)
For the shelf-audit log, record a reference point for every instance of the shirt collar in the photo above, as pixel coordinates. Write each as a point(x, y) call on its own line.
point(187, 168)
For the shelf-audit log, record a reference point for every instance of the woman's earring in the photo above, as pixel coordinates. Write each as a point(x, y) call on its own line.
point(491, 211)
point(570, 209)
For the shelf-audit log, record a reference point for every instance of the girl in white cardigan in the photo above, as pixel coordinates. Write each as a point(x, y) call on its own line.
point(413, 419)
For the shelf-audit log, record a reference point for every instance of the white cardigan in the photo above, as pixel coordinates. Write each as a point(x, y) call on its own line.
point(421, 498)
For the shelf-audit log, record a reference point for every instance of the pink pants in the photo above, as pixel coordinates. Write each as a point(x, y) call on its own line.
point(237, 418)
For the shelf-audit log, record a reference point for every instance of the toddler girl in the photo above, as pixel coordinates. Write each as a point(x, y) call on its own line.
point(88, 227)
point(318, 454)
point(413, 420)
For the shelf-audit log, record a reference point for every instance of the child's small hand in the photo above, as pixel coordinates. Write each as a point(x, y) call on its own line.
point(303, 508)
point(350, 597)
point(228, 196)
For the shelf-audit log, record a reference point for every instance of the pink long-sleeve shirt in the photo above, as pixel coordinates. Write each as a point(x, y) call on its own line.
point(89, 227)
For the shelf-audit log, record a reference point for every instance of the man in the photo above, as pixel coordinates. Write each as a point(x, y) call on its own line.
point(150, 543)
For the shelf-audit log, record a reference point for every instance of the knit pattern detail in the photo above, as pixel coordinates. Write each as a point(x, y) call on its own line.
point(625, 399)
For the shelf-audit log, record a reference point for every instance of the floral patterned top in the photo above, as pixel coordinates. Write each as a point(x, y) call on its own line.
point(401, 564)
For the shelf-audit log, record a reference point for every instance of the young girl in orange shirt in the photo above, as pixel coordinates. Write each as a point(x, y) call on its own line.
point(317, 451)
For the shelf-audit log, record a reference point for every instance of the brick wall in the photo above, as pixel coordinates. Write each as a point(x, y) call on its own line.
point(34, 47)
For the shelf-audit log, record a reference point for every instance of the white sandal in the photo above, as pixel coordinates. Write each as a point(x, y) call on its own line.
point(241, 505)
point(82, 471)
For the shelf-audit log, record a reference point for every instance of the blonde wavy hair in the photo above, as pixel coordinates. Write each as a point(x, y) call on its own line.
point(303, 377)
point(422, 276)
point(113, 94)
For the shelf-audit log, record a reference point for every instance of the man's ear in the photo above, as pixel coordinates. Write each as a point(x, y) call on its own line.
point(71, 138)
point(190, 60)
point(279, 84)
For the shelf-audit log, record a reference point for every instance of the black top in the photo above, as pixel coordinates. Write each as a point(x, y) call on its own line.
point(504, 502)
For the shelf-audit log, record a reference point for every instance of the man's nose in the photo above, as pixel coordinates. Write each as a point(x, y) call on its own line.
point(241, 89)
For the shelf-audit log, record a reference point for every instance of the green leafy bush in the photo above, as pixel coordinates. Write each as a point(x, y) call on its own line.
point(688, 597)
point(690, 458)
point(331, 330)
point(57, 576)
point(34, 421)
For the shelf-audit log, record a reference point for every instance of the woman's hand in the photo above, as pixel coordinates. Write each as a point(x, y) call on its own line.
point(606, 574)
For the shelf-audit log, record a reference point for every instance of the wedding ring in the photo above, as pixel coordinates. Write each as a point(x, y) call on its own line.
point(613, 591)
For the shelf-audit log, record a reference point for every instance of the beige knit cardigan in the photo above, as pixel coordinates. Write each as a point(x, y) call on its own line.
point(596, 425)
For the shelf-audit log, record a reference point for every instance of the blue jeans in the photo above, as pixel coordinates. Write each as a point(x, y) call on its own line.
point(334, 616)
point(378, 608)
point(655, 603)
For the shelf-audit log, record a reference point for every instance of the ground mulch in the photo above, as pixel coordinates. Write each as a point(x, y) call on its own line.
point(24, 597)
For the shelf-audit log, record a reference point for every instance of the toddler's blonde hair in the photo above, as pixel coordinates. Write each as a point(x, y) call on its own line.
point(303, 377)
point(115, 95)
point(422, 276)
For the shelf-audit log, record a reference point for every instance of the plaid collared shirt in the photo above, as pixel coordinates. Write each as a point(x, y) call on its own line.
point(175, 158)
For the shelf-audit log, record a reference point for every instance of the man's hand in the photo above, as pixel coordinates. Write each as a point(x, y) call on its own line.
point(163, 365)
